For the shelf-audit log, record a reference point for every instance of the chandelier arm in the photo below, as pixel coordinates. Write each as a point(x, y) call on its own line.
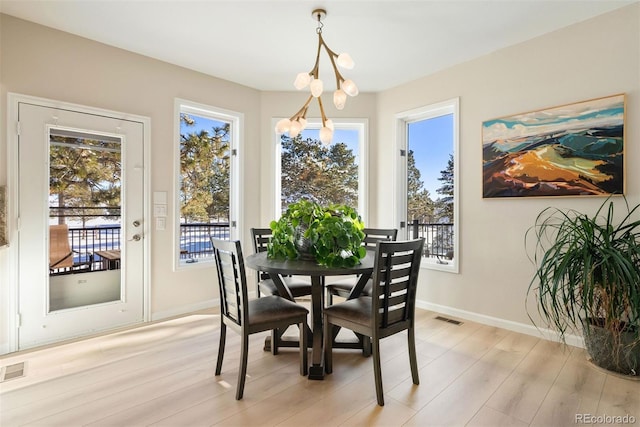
point(322, 114)
point(302, 111)
point(332, 57)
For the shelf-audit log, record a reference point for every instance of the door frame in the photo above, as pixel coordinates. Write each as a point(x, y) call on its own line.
point(9, 304)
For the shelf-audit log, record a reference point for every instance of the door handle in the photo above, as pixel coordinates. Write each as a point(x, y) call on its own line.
point(136, 237)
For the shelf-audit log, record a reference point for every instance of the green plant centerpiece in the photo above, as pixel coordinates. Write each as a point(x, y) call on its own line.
point(332, 235)
point(588, 275)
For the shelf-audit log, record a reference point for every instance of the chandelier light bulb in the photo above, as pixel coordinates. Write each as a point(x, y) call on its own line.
point(303, 122)
point(350, 88)
point(283, 126)
point(339, 99)
point(326, 135)
point(295, 128)
point(345, 61)
point(329, 123)
point(302, 80)
point(316, 87)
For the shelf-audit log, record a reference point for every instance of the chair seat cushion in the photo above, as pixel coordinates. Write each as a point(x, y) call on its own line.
point(357, 310)
point(298, 286)
point(274, 309)
point(343, 287)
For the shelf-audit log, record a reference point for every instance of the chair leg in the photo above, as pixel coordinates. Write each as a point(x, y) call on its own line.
point(366, 346)
point(413, 360)
point(304, 364)
point(223, 336)
point(274, 341)
point(377, 370)
point(328, 346)
point(242, 374)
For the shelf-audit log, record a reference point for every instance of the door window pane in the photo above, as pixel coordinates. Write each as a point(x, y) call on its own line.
point(84, 218)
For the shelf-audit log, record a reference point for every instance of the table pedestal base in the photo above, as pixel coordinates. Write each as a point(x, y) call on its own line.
point(316, 371)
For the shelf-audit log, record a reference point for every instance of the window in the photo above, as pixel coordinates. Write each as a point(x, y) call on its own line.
point(336, 173)
point(428, 139)
point(206, 186)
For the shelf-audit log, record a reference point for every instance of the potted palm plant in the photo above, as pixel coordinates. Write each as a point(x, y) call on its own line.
point(587, 277)
point(332, 235)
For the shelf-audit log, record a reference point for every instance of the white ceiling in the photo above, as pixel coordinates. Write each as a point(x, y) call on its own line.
point(264, 44)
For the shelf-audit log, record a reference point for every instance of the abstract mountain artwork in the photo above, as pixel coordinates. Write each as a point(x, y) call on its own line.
point(570, 150)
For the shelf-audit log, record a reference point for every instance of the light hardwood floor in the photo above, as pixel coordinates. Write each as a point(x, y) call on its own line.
point(162, 374)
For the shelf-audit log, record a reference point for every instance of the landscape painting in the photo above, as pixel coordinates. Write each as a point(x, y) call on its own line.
point(571, 150)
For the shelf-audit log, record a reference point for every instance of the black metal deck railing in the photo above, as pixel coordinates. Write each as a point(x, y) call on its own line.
point(195, 242)
point(86, 241)
point(438, 238)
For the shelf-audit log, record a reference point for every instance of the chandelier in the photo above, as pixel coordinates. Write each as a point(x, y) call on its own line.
point(296, 123)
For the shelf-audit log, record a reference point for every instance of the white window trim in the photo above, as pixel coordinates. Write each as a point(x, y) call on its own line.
point(402, 119)
point(362, 125)
point(235, 197)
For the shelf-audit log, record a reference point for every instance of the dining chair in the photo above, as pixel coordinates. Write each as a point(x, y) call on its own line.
point(246, 316)
point(390, 308)
point(343, 287)
point(297, 285)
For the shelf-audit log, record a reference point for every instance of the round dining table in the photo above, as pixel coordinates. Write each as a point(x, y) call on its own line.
point(278, 268)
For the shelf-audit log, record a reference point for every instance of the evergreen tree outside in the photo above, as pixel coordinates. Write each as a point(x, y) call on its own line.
point(419, 204)
point(84, 179)
point(204, 171)
point(445, 203)
point(311, 171)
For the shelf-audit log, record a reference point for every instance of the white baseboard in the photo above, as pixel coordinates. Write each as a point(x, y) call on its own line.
point(522, 328)
point(185, 309)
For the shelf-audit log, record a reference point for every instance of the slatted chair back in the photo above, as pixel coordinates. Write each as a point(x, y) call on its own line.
point(375, 235)
point(260, 239)
point(372, 236)
point(232, 281)
point(395, 281)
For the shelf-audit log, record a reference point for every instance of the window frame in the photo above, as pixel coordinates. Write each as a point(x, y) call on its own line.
point(362, 126)
point(402, 121)
point(236, 121)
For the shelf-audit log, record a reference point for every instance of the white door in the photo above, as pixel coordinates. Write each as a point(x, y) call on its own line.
point(81, 177)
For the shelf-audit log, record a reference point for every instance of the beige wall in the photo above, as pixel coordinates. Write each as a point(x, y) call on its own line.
point(592, 59)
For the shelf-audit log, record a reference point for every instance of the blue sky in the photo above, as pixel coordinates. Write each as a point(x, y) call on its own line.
point(431, 141)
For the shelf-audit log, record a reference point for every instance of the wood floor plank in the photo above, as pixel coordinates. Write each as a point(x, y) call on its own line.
point(489, 417)
point(462, 399)
point(620, 397)
point(523, 392)
point(575, 391)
